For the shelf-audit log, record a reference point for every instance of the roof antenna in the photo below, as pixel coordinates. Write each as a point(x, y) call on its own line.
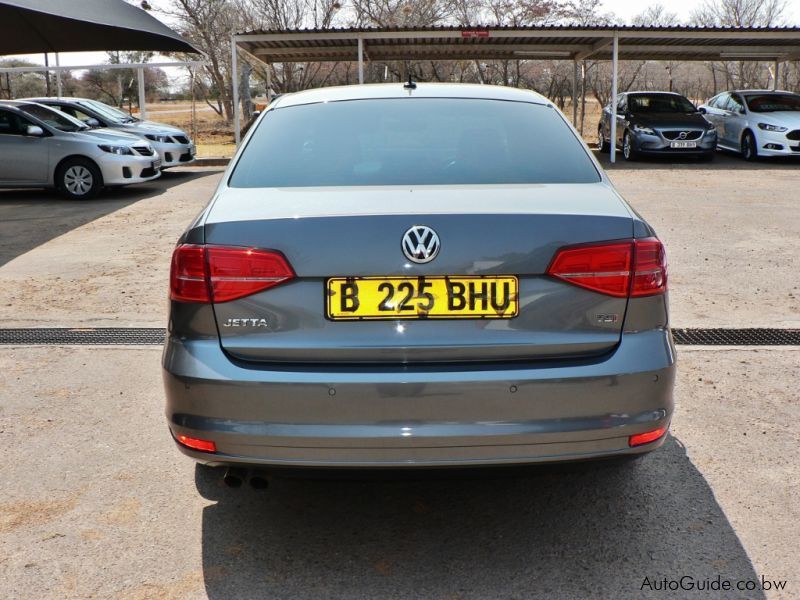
point(410, 84)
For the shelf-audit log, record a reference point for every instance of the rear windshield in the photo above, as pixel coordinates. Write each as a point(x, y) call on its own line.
point(772, 102)
point(659, 103)
point(412, 141)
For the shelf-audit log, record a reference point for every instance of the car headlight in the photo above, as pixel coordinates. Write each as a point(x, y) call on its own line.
point(164, 139)
point(121, 150)
point(768, 127)
point(642, 129)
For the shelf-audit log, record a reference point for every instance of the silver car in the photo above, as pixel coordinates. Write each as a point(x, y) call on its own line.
point(420, 275)
point(41, 147)
point(173, 145)
point(756, 122)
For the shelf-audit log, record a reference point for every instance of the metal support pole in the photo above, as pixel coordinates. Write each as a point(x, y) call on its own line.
point(235, 84)
point(142, 99)
point(58, 78)
point(775, 74)
point(360, 60)
point(575, 93)
point(269, 83)
point(614, 71)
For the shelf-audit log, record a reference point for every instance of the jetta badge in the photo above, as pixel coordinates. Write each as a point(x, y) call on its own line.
point(420, 244)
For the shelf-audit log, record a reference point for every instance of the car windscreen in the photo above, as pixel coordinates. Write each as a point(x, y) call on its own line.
point(659, 103)
point(772, 102)
point(53, 118)
point(104, 111)
point(412, 141)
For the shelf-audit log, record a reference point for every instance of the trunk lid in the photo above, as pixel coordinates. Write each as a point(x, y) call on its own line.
point(356, 231)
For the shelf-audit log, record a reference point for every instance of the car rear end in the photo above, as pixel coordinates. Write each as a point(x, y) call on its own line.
point(425, 293)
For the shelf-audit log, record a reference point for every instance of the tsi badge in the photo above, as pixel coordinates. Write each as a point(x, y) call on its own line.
point(246, 323)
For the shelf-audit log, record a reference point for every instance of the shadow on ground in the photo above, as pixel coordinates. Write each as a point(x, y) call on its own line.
point(30, 218)
point(581, 533)
point(722, 161)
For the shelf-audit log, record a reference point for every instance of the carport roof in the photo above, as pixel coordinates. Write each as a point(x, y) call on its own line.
point(504, 43)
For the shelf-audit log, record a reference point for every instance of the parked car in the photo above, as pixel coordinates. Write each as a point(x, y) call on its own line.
point(41, 147)
point(756, 122)
point(657, 123)
point(172, 144)
point(421, 275)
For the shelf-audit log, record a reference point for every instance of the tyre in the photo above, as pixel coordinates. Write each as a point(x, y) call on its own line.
point(602, 144)
point(79, 179)
point(628, 151)
point(749, 146)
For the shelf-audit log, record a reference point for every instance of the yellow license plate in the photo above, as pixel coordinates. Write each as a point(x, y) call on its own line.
point(424, 297)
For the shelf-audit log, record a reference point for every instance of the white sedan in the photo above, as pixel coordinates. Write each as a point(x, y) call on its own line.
point(756, 122)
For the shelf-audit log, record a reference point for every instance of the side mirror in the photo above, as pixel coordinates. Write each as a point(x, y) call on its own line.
point(256, 114)
point(702, 110)
point(93, 123)
point(34, 131)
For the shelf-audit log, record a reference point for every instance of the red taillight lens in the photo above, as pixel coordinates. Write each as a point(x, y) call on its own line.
point(188, 277)
point(645, 438)
point(604, 268)
point(221, 273)
point(238, 272)
point(620, 269)
point(650, 272)
point(196, 443)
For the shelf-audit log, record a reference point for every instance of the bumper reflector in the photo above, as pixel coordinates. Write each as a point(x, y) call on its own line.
point(645, 438)
point(197, 444)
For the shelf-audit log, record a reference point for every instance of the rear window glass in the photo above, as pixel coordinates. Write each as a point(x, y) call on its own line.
point(412, 141)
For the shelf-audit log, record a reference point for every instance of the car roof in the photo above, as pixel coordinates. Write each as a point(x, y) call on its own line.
point(653, 92)
point(762, 92)
point(398, 90)
point(54, 99)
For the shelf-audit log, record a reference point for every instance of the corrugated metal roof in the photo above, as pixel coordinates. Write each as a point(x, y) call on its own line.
point(547, 41)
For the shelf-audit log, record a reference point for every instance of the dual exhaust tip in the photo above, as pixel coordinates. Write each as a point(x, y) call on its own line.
point(235, 477)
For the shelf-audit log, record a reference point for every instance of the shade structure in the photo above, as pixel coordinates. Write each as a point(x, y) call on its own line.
point(34, 26)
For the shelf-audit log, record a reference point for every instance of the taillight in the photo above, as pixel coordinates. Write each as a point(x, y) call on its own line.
point(223, 273)
point(620, 269)
point(650, 272)
point(188, 275)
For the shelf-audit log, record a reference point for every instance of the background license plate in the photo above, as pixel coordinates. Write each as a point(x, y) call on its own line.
point(683, 145)
point(468, 297)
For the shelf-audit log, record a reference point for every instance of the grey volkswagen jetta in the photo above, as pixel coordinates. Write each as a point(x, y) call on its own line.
point(415, 276)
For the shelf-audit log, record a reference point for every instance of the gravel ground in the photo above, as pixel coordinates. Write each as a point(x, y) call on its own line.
point(96, 501)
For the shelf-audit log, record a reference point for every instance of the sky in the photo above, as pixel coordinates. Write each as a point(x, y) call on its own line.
point(624, 9)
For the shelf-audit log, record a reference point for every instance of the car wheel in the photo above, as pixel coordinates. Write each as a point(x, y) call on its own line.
point(602, 144)
point(628, 152)
point(79, 179)
point(749, 147)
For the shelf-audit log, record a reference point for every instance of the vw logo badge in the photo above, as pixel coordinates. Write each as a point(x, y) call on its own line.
point(420, 244)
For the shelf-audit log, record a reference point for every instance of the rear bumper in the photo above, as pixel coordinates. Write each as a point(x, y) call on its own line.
point(322, 416)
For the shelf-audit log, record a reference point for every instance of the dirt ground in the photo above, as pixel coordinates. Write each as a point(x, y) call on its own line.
point(97, 503)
